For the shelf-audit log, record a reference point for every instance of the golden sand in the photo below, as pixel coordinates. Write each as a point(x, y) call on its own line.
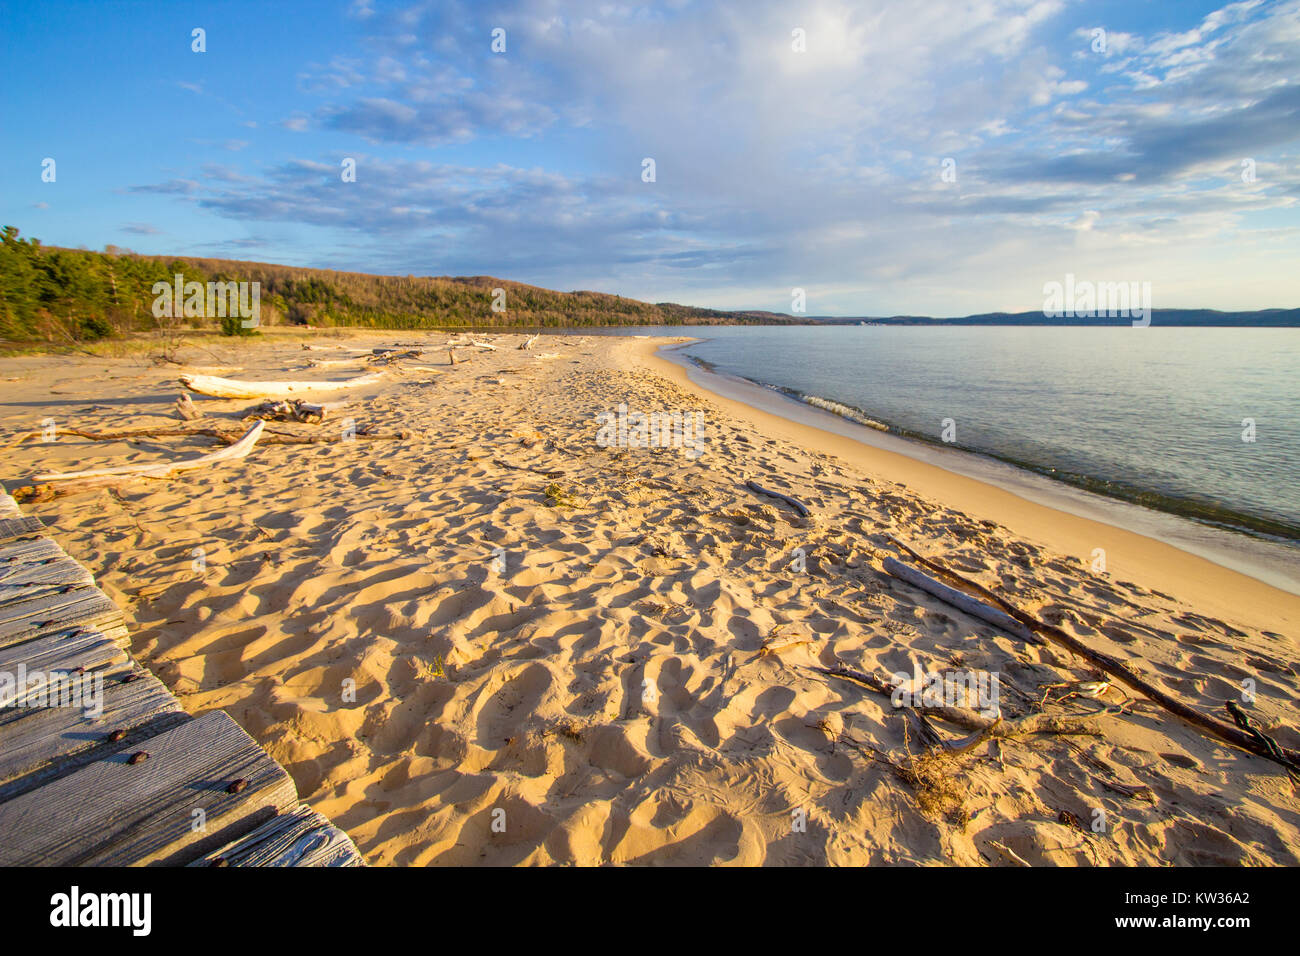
point(498, 641)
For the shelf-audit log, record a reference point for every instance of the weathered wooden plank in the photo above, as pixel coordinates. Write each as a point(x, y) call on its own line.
point(53, 611)
point(93, 616)
point(114, 812)
point(20, 526)
point(42, 561)
point(36, 664)
point(300, 837)
point(19, 580)
point(19, 546)
point(39, 745)
point(40, 607)
point(116, 632)
point(28, 549)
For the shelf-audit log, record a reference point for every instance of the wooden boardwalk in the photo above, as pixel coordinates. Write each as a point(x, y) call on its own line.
point(99, 765)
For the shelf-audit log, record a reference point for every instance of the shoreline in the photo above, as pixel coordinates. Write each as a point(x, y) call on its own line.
point(1211, 579)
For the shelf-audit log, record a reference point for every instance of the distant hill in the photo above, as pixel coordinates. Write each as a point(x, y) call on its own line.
point(59, 295)
point(55, 294)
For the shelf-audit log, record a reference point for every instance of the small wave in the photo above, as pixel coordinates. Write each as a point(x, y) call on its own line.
point(1205, 512)
point(840, 409)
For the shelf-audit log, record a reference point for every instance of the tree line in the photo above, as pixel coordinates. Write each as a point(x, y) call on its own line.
point(54, 294)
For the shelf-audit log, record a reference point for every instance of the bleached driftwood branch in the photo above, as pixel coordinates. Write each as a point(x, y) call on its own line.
point(295, 411)
point(52, 484)
point(227, 437)
point(234, 388)
point(159, 469)
point(185, 408)
point(975, 721)
point(327, 363)
point(794, 503)
point(961, 601)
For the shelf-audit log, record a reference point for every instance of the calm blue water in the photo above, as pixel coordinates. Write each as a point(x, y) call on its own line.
point(1150, 415)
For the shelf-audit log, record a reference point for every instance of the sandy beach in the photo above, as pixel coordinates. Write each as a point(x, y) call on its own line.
point(505, 640)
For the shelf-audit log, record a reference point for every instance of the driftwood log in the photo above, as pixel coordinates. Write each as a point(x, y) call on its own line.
point(185, 408)
point(794, 503)
point(295, 411)
point(961, 601)
point(233, 388)
point(389, 356)
point(238, 449)
point(974, 721)
point(269, 437)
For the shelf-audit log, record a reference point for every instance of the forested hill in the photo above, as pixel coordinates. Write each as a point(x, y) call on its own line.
point(54, 294)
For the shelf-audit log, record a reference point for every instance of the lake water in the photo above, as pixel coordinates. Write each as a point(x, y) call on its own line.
point(1153, 416)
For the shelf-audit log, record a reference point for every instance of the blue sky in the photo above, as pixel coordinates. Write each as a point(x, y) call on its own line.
point(776, 168)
